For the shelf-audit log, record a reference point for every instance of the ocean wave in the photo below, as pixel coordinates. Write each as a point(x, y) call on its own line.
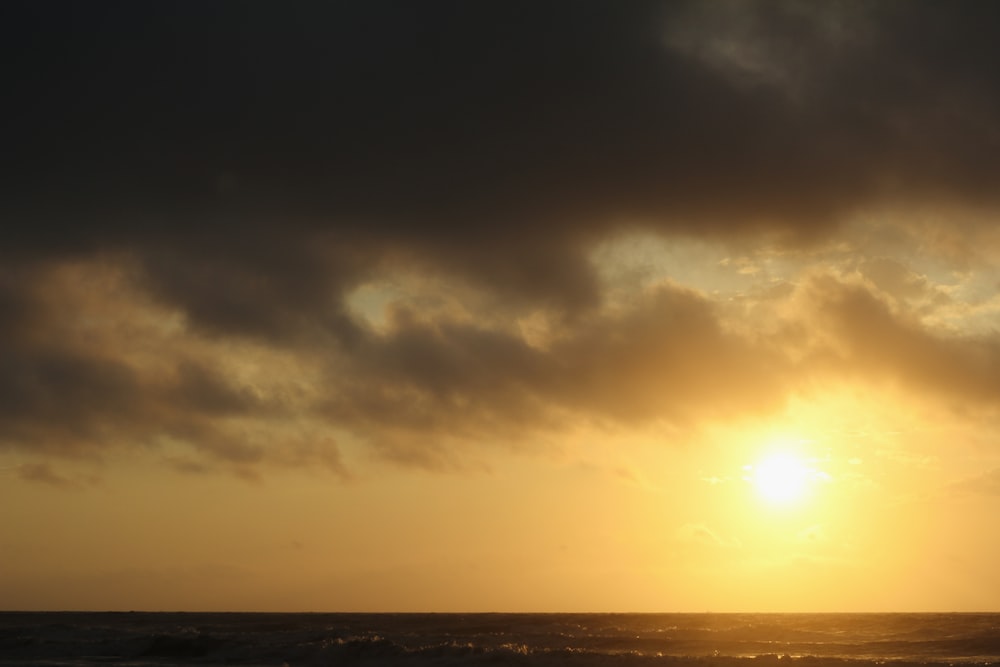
point(441, 640)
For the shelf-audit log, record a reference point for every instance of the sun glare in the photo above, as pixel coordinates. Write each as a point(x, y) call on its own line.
point(780, 479)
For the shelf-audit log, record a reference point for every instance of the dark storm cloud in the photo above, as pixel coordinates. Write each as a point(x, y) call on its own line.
point(270, 288)
point(60, 393)
point(461, 130)
point(257, 162)
point(78, 402)
point(667, 360)
point(46, 390)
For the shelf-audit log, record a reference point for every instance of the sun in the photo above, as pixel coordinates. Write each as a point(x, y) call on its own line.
point(780, 478)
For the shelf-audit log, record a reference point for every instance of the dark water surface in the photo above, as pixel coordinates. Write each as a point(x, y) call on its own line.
point(727, 640)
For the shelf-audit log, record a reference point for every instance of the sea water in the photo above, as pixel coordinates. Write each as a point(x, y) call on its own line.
point(528, 640)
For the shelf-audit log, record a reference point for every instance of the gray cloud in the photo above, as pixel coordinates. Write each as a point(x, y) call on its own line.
point(875, 342)
point(64, 393)
point(475, 130)
point(667, 359)
point(43, 473)
point(280, 159)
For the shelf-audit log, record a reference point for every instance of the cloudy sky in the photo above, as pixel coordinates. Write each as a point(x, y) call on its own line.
point(520, 305)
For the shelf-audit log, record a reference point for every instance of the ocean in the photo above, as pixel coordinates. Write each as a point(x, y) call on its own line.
point(62, 639)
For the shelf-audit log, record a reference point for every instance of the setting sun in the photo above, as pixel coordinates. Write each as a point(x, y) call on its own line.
point(498, 307)
point(780, 478)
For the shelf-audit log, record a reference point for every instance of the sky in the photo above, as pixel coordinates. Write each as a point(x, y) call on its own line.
point(500, 306)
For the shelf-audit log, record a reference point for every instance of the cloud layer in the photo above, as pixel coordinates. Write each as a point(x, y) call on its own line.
point(224, 180)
